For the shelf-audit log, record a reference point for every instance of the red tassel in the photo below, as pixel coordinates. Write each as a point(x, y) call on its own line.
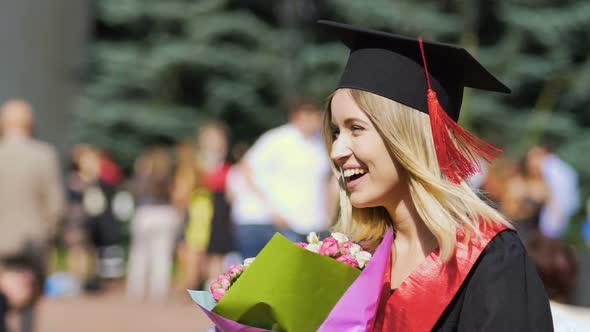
point(458, 151)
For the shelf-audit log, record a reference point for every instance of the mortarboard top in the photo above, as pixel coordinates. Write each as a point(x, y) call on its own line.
point(391, 66)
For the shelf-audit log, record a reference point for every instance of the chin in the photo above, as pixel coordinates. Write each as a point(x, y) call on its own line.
point(360, 202)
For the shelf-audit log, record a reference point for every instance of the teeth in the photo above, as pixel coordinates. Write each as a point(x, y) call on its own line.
point(353, 171)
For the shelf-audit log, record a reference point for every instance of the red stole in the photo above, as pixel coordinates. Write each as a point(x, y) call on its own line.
point(421, 298)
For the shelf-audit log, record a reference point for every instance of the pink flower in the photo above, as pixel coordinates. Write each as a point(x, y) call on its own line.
point(348, 259)
point(214, 285)
point(351, 248)
point(330, 247)
point(218, 293)
point(301, 244)
point(235, 271)
point(225, 281)
point(347, 245)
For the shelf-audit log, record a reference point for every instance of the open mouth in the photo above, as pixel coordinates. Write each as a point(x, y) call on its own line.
point(352, 175)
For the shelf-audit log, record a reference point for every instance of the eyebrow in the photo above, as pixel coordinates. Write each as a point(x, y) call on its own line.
point(348, 121)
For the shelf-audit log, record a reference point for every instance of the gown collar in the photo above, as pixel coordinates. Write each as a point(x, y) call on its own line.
point(421, 298)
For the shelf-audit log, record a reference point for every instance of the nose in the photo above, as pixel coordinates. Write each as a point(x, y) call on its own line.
point(341, 150)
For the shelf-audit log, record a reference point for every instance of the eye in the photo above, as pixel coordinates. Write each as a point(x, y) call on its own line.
point(356, 129)
point(335, 132)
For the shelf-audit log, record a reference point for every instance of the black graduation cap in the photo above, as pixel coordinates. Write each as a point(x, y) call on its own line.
point(391, 66)
point(427, 76)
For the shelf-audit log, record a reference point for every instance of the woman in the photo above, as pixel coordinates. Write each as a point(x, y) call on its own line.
point(153, 228)
point(526, 194)
point(186, 180)
point(212, 150)
point(456, 264)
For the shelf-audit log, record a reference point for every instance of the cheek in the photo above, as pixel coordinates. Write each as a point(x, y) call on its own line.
point(389, 172)
point(388, 175)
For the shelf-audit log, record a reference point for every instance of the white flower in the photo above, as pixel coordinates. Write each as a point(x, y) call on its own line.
point(314, 247)
point(313, 238)
point(248, 261)
point(355, 249)
point(341, 238)
point(363, 258)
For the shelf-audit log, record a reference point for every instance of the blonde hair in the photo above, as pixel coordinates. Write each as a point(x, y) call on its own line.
point(444, 206)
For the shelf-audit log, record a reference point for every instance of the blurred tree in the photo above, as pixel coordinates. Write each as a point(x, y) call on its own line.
point(159, 68)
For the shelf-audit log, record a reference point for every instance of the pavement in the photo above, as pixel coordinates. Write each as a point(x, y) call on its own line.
point(111, 311)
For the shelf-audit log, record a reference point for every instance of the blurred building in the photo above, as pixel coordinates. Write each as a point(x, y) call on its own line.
point(42, 58)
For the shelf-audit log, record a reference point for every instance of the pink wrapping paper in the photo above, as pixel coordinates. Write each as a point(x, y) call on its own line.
point(228, 325)
point(356, 309)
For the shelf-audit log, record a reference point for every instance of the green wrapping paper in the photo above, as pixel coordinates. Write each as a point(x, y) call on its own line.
point(287, 288)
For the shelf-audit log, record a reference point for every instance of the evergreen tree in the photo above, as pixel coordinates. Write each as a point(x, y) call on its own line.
point(160, 67)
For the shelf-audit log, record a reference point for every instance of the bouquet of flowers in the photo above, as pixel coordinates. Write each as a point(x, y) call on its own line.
point(329, 285)
point(336, 246)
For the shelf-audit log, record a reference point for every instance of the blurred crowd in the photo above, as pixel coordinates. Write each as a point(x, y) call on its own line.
point(186, 212)
point(540, 194)
point(177, 219)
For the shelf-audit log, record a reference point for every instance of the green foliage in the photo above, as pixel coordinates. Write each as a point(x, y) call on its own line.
point(159, 68)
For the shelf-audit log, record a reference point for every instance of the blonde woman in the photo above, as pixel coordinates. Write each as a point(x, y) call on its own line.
point(456, 264)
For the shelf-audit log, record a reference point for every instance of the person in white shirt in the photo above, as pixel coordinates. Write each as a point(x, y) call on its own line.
point(250, 216)
point(287, 182)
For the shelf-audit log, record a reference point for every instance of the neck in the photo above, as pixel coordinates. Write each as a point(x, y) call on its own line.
point(411, 232)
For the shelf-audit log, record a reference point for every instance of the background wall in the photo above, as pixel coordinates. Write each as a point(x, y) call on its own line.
point(41, 56)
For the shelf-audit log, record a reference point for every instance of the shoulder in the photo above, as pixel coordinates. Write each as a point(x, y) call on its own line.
point(502, 264)
point(42, 148)
point(504, 260)
point(278, 132)
point(504, 291)
point(505, 243)
point(270, 137)
point(271, 141)
point(31, 148)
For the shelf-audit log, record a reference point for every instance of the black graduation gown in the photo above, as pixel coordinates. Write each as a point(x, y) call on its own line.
point(502, 292)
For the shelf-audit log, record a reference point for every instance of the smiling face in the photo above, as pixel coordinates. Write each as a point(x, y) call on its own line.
point(372, 176)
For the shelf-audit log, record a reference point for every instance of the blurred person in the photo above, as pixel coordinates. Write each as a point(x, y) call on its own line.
point(289, 181)
point(102, 227)
point(249, 214)
point(185, 175)
point(496, 181)
point(153, 228)
point(75, 235)
point(557, 266)
point(586, 225)
point(190, 249)
point(31, 195)
point(20, 285)
point(110, 172)
point(525, 195)
point(562, 181)
point(212, 153)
